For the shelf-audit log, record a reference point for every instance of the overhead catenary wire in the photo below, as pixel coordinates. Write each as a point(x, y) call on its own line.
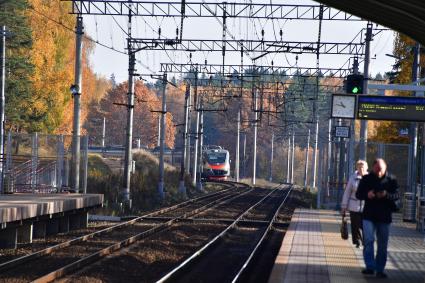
point(58, 22)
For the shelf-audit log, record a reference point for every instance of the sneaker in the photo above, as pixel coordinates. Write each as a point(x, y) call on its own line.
point(368, 271)
point(358, 245)
point(381, 275)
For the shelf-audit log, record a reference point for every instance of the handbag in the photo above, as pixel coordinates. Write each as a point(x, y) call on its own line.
point(344, 228)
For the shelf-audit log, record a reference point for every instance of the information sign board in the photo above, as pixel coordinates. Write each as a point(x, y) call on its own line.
point(342, 131)
point(392, 108)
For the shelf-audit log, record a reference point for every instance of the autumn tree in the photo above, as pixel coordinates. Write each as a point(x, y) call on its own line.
point(40, 66)
point(145, 125)
point(389, 131)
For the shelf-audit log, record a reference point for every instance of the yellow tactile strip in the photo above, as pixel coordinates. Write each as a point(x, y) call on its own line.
point(313, 251)
point(406, 253)
point(281, 261)
point(302, 256)
point(342, 261)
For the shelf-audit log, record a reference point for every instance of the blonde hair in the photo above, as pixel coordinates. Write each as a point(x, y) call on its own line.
point(362, 162)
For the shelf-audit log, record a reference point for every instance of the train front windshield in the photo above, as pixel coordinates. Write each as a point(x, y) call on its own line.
point(216, 157)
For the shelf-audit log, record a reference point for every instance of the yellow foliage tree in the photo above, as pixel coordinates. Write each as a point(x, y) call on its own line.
point(53, 57)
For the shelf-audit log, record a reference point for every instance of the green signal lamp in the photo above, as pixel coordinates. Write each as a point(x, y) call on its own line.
point(354, 84)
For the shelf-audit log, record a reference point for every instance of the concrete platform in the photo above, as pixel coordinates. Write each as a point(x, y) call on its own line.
point(313, 251)
point(27, 216)
point(16, 207)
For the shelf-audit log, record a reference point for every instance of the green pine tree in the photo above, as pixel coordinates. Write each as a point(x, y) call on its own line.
point(18, 65)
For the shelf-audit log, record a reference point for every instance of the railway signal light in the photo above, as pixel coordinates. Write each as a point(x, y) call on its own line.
point(354, 84)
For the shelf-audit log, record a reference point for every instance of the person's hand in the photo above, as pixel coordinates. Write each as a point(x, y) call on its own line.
point(371, 195)
point(381, 194)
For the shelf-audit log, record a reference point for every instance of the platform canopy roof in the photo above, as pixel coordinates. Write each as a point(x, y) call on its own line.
point(405, 16)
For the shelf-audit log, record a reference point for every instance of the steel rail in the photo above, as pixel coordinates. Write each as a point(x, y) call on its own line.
point(14, 262)
point(196, 255)
point(114, 247)
point(261, 240)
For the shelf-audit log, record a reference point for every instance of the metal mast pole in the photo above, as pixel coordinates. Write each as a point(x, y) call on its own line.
point(351, 142)
point(238, 136)
point(244, 155)
point(306, 160)
point(103, 132)
point(128, 159)
point(316, 141)
point(188, 120)
point(182, 187)
point(329, 157)
point(158, 140)
point(195, 149)
point(363, 123)
point(2, 102)
point(315, 110)
point(162, 138)
point(201, 143)
point(293, 156)
point(76, 91)
point(414, 139)
point(254, 159)
point(340, 186)
point(271, 158)
point(288, 168)
point(321, 176)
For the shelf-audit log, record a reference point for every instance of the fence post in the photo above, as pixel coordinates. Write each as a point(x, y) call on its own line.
point(59, 167)
point(409, 170)
point(8, 163)
point(66, 164)
point(34, 161)
point(319, 176)
point(85, 162)
point(381, 150)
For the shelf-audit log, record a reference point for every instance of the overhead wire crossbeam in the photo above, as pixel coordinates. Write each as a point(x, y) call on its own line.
point(234, 70)
point(208, 10)
point(232, 45)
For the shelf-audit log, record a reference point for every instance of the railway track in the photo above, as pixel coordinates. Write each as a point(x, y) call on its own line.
point(154, 257)
point(228, 255)
point(53, 262)
point(148, 247)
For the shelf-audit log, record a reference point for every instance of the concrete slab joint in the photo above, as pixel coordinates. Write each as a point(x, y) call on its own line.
point(39, 229)
point(25, 233)
point(64, 224)
point(8, 238)
point(52, 226)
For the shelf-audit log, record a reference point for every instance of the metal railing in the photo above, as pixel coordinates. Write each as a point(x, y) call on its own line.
point(34, 163)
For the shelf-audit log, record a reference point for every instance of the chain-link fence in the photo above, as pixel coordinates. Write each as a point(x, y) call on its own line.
point(334, 164)
point(38, 163)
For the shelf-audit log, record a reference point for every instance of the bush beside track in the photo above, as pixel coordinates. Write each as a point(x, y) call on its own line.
point(104, 178)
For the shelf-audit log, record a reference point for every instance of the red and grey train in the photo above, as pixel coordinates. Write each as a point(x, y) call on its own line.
point(216, 163)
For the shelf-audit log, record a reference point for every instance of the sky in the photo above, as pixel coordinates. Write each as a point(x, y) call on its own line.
point(111, 31)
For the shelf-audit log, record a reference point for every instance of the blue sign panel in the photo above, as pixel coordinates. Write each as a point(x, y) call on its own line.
point(392, 108)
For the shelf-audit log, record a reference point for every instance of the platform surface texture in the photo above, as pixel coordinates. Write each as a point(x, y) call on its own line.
point(313, 251)
point(16, 207)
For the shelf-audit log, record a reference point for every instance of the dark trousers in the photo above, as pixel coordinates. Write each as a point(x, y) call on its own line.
point(356, 227)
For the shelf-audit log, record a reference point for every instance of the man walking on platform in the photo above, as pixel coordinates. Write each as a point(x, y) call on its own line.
point(379, 190)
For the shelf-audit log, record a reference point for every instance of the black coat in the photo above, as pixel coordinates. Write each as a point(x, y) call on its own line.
point(378, 210)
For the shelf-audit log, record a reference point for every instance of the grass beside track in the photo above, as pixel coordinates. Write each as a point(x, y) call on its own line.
point(105, 177)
